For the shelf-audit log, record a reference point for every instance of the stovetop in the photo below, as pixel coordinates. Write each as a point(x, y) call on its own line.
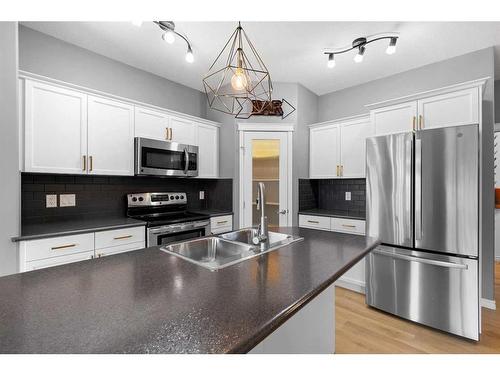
point(165, 218)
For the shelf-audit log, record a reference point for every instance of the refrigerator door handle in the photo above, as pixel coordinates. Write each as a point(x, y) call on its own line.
point(418, 189)
point(410, 258)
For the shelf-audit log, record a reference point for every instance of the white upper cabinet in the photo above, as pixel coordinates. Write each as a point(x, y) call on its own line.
point(183, 131)
point(451, 109)
point(110, 137)
point(448, 106)
point(353, 147)
point(397, 118)
point(208, 152)
point(324, 153)
point(55, 129)
point(151, 124)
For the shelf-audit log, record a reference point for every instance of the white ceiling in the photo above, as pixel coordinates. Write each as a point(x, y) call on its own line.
point(292, 51)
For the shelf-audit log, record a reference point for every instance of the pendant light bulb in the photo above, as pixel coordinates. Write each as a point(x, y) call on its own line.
point(359, 56)
point(239, 80)
point(391, 49)
point(331, 61)
point(169, 36)
point(189, 55)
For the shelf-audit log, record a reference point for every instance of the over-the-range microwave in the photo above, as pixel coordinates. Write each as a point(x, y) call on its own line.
point(163, 158)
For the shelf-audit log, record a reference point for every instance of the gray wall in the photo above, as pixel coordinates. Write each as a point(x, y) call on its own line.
point(10, 185)
point(306, 104)
point(51, 57)
point(497, 102)
point(479, 64)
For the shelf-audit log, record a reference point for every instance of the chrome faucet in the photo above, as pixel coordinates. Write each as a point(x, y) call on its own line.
point(262, 231)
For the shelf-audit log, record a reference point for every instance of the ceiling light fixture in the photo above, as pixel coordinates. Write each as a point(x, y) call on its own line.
point(360, 45)
point(169, 36)
point(238, 78)
point(331, 61)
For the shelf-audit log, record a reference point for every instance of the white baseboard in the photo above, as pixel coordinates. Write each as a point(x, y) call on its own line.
point(351, 284)
point(488, 303)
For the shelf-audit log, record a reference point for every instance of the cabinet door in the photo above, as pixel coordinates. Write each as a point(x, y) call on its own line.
point(208, 153)
point(393, 119)
point(99, 253)
point(353, 147)
point(55, 129)
point(151, 124)
point(452, 109)
point(183, 131)
point(110, 137)
point(58, 261)
point(324, 152)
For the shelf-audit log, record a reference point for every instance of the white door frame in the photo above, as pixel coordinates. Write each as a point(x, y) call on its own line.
point(266, 127)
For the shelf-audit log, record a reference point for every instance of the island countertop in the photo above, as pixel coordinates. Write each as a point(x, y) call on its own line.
point(148, 301)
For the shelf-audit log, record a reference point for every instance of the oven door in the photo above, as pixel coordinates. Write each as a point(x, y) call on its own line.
point(178, 232)
point(161, 158)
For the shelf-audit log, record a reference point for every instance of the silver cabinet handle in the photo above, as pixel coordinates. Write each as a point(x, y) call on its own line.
point(410, 258)
point(186, 156)
point(418, 189)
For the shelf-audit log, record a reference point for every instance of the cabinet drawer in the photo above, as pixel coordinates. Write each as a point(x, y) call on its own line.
point(119, 237)
point(348, 225)
point(57, 261)
point(58, 246)
point(119, 249)
point(220, 222)
point(317, 222)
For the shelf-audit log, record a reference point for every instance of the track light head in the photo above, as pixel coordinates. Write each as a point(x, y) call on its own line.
point(391, 49)
point(331, 61)
point(359, 56)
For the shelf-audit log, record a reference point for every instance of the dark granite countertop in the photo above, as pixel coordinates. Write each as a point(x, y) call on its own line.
point(37, 230)
point(333, 213)
point(213, 213)
point(148, 301)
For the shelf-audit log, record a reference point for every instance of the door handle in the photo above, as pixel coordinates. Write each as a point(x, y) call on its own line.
point(418, 189)
point(411, 258)
point(186, 157)
point(282, 212)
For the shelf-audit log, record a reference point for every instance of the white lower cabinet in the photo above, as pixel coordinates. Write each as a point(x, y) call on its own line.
point(54, 251)
point(354, 279)
point(221, 224)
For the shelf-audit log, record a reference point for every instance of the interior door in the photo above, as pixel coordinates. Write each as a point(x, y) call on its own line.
point(265, 159)
point(446, 210)
point(110, 137)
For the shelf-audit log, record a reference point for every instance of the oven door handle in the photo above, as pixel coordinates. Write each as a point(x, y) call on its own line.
point(179, 228)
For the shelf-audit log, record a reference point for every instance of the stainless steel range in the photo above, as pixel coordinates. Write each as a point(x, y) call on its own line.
point(167, 217)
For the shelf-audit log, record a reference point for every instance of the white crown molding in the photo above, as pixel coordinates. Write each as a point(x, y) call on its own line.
point(40, 78)
point(425, 94)
point(266, 126)
point(356, 118)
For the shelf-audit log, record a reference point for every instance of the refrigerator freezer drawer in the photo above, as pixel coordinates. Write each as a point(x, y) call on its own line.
point(435, 290)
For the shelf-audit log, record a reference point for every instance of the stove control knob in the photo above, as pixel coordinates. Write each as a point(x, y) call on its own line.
point(141, 199)
point(134, 199)
point(172, 197)
point(176, 197)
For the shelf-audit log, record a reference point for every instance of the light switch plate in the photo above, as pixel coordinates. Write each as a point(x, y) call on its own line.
point(202, 194)
point(51, 200)
point(67, 200)
point(347, 195)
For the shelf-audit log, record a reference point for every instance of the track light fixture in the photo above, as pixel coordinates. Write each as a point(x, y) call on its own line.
point(360, 45)
point(169, 34)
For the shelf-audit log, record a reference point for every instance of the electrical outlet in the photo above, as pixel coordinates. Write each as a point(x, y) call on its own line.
point(347, 195)
point(67, 200)
point(202, 194)
point(51, 200)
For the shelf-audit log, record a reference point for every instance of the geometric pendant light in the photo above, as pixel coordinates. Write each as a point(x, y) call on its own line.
point(238, 79)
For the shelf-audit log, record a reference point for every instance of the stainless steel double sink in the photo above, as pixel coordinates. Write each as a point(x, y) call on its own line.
point(216, 252)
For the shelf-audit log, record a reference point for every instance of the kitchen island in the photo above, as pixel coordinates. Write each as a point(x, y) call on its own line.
point(148, 301)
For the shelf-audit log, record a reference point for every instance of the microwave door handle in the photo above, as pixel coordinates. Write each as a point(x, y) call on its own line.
point(186, 158)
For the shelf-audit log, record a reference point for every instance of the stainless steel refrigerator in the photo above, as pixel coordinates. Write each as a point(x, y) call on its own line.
point(422, 196)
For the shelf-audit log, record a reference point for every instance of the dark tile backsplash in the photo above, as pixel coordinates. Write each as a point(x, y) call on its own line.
point(106, 195)
point(329, 194)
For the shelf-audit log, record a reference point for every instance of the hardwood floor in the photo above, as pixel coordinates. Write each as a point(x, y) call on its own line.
point(360, 329)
